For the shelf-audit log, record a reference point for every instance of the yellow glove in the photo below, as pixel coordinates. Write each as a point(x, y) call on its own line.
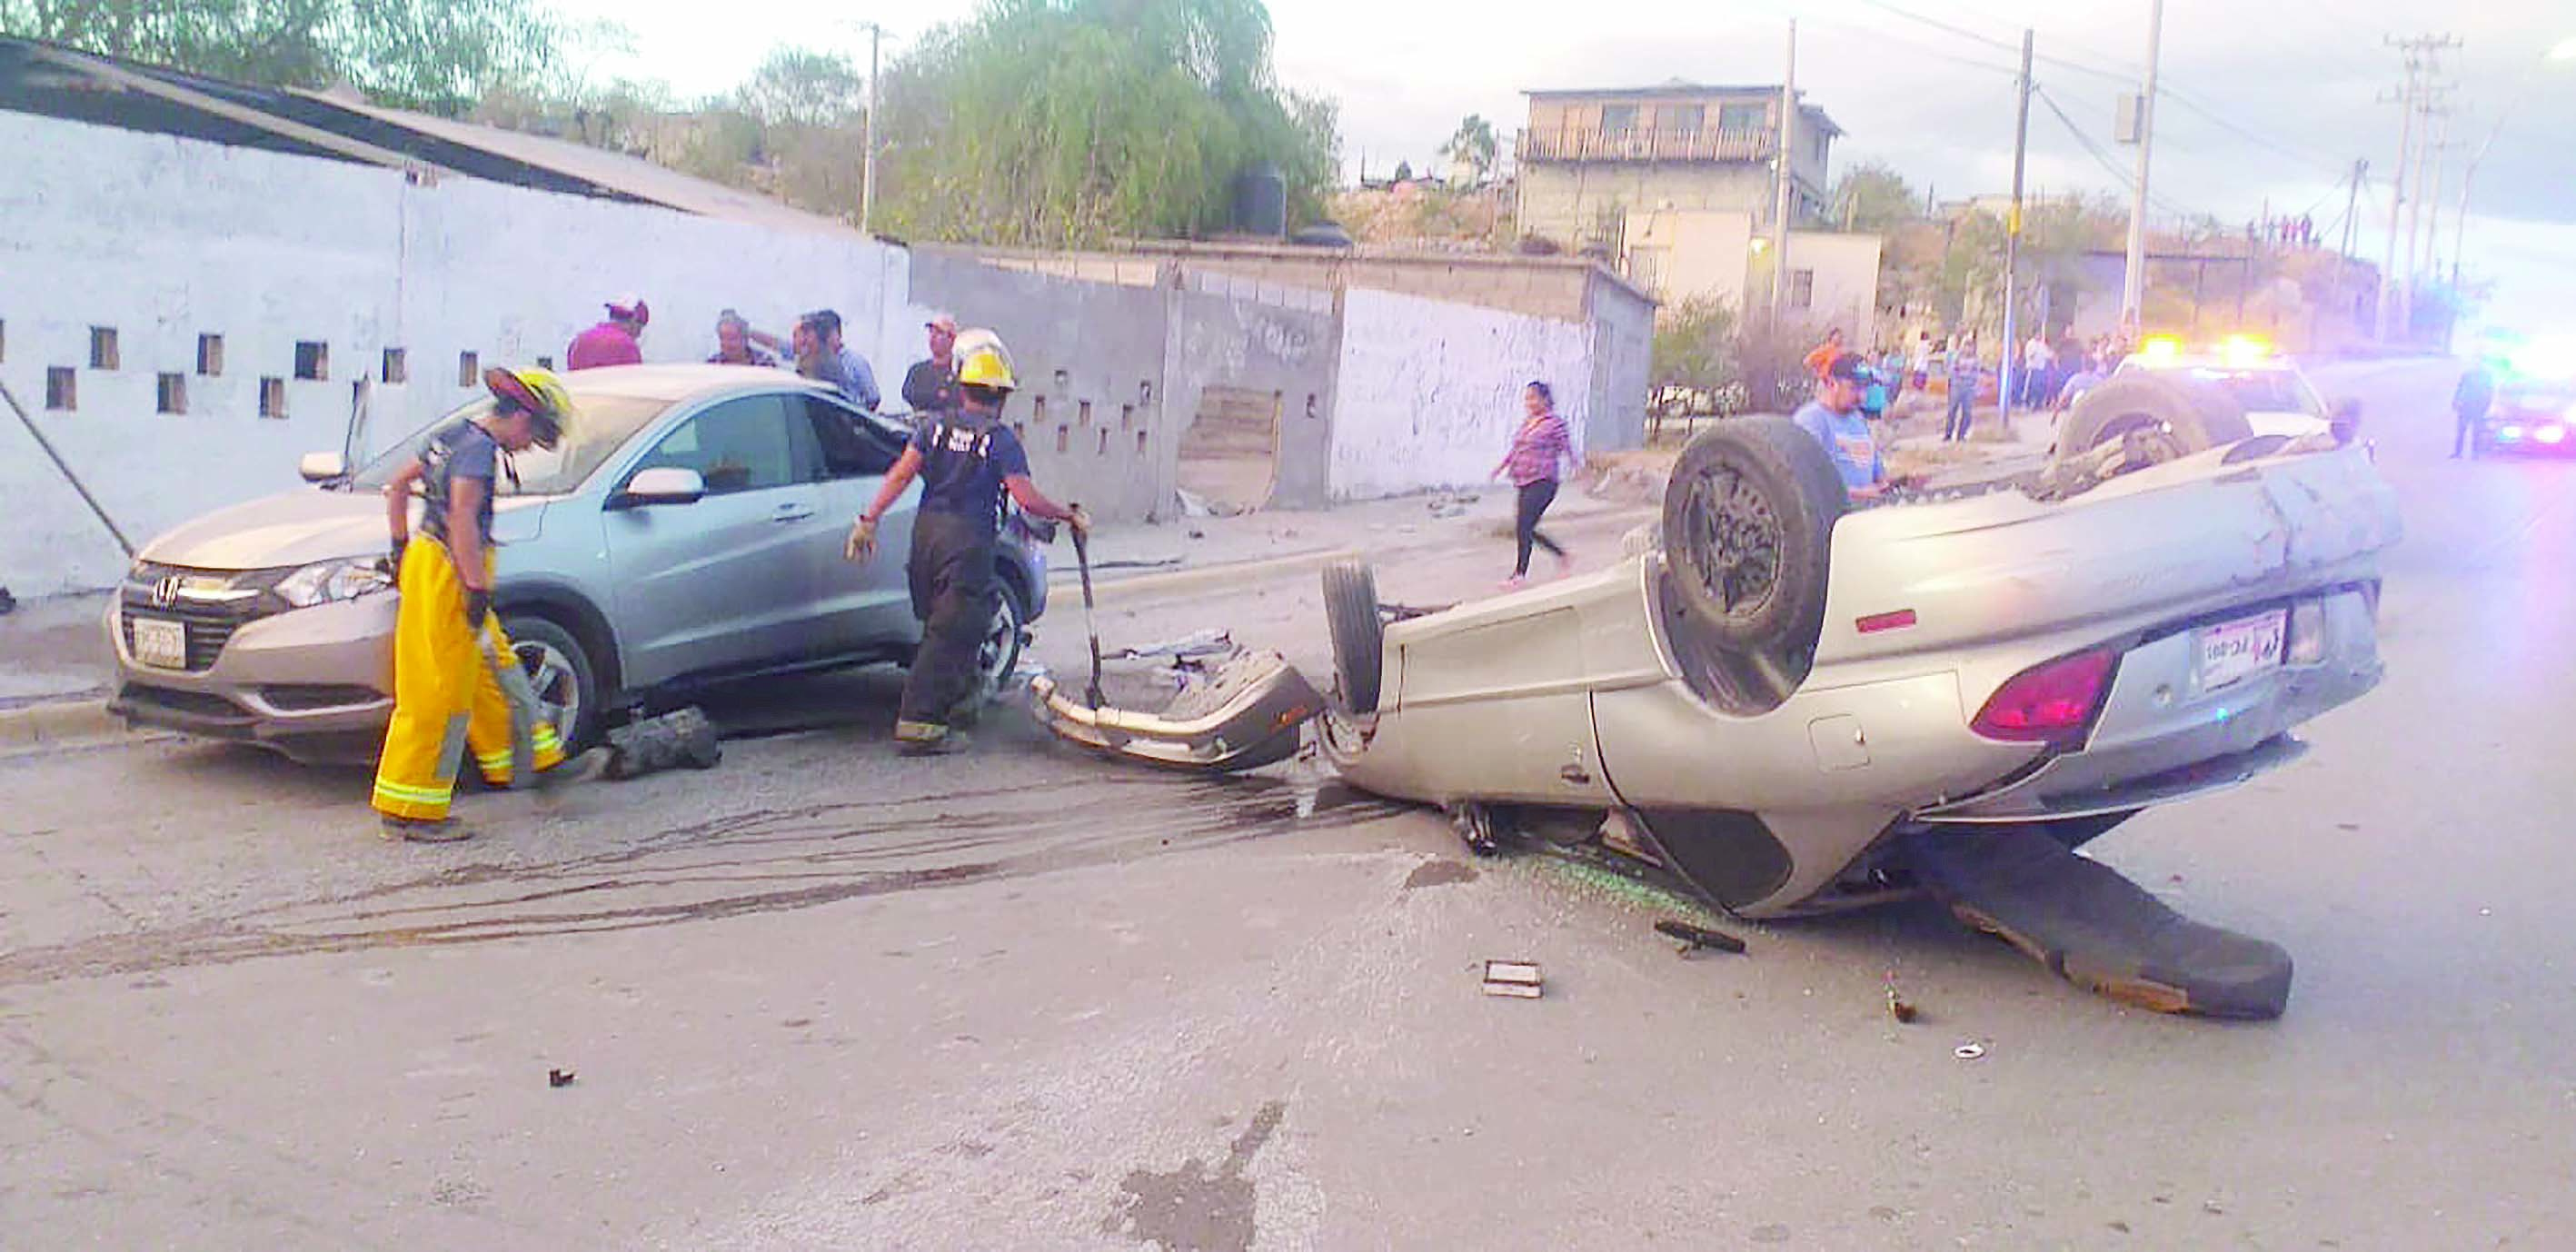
point(862, 543)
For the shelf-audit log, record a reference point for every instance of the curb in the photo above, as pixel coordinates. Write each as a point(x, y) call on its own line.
point(61, 724)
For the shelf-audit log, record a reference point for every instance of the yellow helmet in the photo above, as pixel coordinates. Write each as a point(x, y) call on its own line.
point(538, 393)
point(982, 361)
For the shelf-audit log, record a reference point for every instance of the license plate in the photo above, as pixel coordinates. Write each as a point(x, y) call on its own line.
point(159, 643)
point(2232, 652)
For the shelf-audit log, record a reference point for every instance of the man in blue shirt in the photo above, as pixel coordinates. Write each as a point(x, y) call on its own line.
point(838, 365)
point(1834, 418)
point(966, 461)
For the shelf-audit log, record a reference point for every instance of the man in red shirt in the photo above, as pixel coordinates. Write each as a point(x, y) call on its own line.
point(612, 342)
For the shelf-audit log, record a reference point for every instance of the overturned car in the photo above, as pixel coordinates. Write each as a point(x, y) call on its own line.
point(1798, 706)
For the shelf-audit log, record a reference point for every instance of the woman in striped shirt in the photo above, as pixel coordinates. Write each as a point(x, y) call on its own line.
point(1538, 448)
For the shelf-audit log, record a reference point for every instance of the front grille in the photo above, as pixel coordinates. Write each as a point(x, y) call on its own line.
point(306, 697)
point(209, 624)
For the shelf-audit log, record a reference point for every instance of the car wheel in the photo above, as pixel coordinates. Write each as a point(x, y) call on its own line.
point(1359, 635)
point(999, 651)
point(1748, 524)
point(2170, 417)
point(559, 669)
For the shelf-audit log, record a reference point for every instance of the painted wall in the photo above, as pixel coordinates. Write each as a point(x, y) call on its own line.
point(1431, 391)
point(1287, 341)
point(1845, 288)
point(165, 239)
point(1566, 202)
point(1691, 254)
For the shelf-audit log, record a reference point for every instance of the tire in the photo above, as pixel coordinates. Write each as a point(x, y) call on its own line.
point(2176, 416)
point(1748, 527)
point(1359, 635)
point(1000, 651)
point(559, 667)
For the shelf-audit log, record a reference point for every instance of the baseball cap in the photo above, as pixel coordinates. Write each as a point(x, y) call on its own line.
point(1849, 367)
point(942, 321)
point(631, 307)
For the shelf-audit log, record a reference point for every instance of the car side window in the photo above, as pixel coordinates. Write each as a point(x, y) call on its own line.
point(747, 443)
point(851, 445)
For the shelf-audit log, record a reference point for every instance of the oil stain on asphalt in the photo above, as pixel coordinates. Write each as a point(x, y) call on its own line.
point(1194, 1207)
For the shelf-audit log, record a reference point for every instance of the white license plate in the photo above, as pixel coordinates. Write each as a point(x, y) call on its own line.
point(2232, 652)
point(159, 643)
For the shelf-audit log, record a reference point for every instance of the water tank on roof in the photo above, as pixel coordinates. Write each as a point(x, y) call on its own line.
point(1261, 201)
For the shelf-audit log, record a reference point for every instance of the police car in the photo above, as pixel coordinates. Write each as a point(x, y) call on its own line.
point(2278, 399)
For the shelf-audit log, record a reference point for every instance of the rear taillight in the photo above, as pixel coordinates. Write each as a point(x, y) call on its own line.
point(2053, 703)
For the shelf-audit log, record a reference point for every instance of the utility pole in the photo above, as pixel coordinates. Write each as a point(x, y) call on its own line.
point(2460, 220)
point(2352, 203)
point(2396, 288)
point(2012, 246)
point(2431, 201)
point(1784, 178)
point(868, 135)
point(2133, 286)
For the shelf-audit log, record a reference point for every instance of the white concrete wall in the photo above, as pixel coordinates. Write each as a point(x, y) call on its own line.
point(165, 239)
point(1699, 253)
point(1846, 290)
point(1430, 391)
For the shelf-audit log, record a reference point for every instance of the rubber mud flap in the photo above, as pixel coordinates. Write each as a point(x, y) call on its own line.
point(2096, 929)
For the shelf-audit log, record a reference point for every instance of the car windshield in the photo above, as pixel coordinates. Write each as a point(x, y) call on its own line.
point(606, 422)
point(2264, 391)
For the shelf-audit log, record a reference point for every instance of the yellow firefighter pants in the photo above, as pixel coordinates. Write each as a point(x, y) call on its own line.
point(445, 698)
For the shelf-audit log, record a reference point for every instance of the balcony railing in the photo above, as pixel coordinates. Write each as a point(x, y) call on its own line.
point(1645, 144)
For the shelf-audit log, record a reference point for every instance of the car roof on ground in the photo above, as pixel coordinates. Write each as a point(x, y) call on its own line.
point(676, 382)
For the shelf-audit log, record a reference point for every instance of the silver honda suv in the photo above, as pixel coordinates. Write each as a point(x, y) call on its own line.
point(687, 532)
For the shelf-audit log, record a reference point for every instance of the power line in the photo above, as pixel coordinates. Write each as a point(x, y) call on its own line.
point(2105, 159)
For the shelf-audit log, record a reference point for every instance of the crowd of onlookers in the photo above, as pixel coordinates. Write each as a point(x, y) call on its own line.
point(2051, 374)
point(813, 348)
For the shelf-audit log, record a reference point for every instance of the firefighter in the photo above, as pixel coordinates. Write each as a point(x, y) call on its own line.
point(446, 698)
point(966, 461)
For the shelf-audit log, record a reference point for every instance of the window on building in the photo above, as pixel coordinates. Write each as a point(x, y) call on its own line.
point(272, 398)
point(1743, 117)
point(469, 370)
point(102, 347)
point(312, 359)
point(1618, 119)
point(1802, 289)
point(210, 355)
point(1680, 119)
point(172, 394)
point(1645, 268)
point(62, 388)
point(396, 368)
point(1821, 140)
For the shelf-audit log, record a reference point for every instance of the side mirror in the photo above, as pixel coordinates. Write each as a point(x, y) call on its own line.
point(322, 467)
point(2345, 419)
point(662, 484)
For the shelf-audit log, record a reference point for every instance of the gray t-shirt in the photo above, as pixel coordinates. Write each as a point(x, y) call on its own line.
point(463, 450)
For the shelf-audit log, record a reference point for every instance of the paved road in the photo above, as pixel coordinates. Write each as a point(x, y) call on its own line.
point(823, 997)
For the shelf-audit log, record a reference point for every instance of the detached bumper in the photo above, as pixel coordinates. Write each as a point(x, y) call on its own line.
point(1243, 714)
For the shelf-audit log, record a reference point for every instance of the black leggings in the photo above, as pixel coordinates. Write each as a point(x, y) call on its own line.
point(1535, 497)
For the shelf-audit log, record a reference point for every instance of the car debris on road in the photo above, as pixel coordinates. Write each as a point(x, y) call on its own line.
point(1516, 979)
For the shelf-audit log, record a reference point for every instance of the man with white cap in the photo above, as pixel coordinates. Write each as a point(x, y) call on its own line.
point(612, 342)
point(930, 386)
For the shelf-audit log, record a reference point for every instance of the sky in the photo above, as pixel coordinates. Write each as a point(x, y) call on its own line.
point(2269, 104)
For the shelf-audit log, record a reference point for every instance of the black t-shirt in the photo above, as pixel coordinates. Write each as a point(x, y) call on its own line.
point(964, 460)
point(930, 388)
point(463, 450)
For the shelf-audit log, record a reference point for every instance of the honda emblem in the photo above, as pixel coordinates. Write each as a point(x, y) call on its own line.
point(165, 592)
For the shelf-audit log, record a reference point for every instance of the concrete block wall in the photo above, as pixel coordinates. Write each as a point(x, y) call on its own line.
point(1094, 408)
point(1431, 390)
point(163, 240)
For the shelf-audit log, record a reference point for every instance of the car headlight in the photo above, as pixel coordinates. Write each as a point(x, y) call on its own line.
point(326, 582)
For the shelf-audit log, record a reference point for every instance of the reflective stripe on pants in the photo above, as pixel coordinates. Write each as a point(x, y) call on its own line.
point(445, 699)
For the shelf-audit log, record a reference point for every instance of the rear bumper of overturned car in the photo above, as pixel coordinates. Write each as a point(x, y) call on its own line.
point(1244, 714)
point(2159, 740)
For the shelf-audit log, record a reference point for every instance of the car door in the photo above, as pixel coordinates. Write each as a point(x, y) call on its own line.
point(867, 607)
point(726, 583)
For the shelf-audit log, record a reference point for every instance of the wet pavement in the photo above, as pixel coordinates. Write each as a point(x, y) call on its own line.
point(827, 997)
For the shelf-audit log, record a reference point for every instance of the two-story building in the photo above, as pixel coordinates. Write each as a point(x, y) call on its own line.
point(1674, 185)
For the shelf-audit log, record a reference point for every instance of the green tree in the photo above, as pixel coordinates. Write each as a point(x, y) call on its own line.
point(1473, 146)
point(1873, 198)
point(804, 88)
point(1695, 345)
point(1071, 122)
point(438, 55)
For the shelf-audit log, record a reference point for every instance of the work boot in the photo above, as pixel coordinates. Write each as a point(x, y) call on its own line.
point(423, 830)
point(926, 738)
